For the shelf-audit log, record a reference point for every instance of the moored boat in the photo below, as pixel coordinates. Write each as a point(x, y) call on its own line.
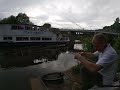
point(30, 35)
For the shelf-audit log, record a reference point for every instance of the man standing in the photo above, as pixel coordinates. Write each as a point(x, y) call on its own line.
point(103, 71)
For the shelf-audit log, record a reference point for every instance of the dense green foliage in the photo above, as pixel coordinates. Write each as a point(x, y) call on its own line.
point(117, 48)
point(115, 27)
point(87, 44)
point(76, 69)
point(21, 18)
point(47, 25)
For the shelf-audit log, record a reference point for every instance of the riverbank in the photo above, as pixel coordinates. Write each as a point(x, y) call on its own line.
point(72, 81)
point(77, 83)
point(75, 78)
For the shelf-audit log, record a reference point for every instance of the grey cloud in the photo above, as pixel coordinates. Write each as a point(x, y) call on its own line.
point(99, 13)
point(94, 13)
point(21, 3)
point(42, 18)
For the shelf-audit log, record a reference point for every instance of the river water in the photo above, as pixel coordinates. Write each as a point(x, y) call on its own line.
point(18, 78)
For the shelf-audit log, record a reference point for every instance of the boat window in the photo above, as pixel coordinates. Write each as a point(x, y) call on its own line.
point(28, 28)
point(62, 39)
point(34, 38)
point(7, 38)
point(45, 38)
point(22, 38)
point(16, 27)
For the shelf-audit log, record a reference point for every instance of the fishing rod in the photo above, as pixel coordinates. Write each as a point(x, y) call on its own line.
point(75, 23)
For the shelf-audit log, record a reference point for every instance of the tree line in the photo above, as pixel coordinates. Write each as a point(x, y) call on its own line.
point(21, 18)
point(114, 27)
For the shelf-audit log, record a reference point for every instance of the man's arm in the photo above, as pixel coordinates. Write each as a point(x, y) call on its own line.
point(89, 65)
point(87, 55)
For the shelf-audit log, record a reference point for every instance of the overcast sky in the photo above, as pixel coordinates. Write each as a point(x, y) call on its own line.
point(88, 14)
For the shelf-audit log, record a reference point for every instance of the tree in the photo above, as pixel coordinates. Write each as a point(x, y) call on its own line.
point(3, 21)
point(21, 18)
point(106, 27)
point(117, 20)
point(115, 27)
point(47, 25)
point(117, 48)
point(11, 19)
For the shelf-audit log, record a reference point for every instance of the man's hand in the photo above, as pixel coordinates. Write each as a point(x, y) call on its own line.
point(78, 56)
point(87, 63)
point(82, 54)
point(87, 55)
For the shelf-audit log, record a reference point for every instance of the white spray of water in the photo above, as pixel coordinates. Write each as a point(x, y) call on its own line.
point(64, 62)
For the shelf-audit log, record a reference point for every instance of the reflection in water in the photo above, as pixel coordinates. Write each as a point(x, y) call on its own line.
point(31, 56)
point(26, 56)
point(78, 46)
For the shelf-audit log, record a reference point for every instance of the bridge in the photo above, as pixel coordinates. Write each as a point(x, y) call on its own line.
point(79, 34)
point(83, 31)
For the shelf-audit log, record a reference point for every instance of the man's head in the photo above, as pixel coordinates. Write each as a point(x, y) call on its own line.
point(99, 42)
